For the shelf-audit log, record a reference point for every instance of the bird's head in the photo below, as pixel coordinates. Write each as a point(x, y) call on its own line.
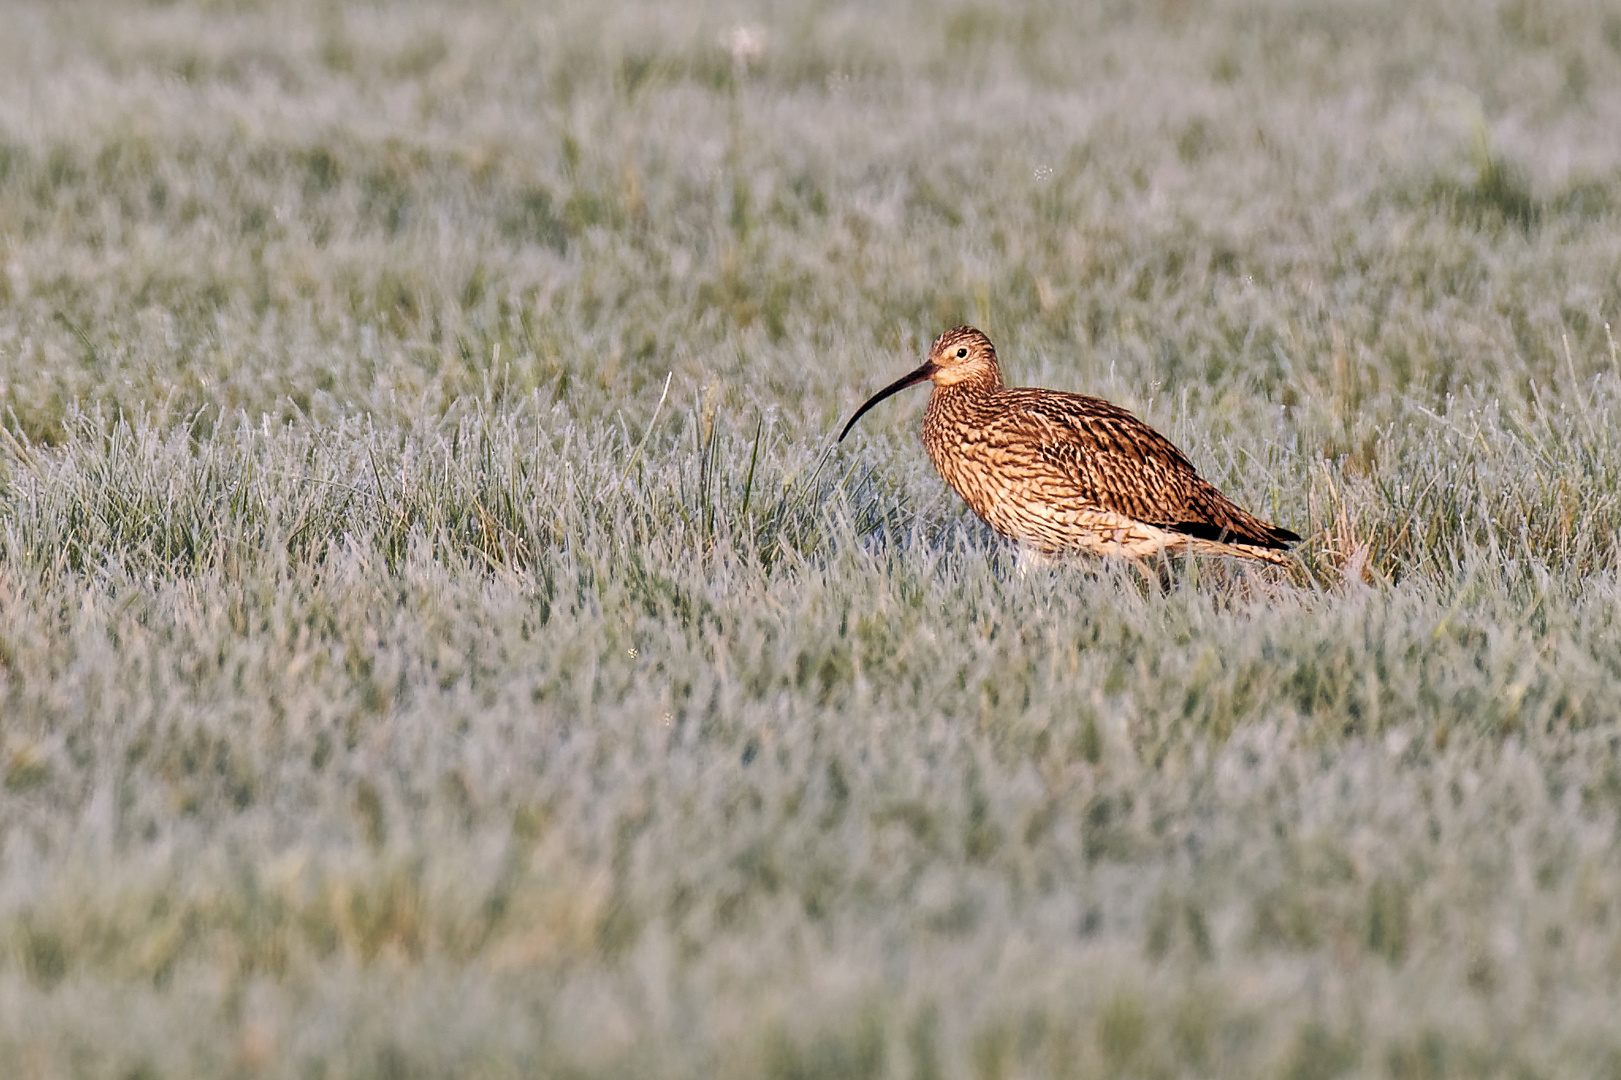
point(963, 355)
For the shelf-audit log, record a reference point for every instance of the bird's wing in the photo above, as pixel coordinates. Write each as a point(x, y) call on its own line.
point(1106, 457)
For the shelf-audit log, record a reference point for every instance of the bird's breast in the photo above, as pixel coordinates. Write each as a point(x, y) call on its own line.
point(998, 469)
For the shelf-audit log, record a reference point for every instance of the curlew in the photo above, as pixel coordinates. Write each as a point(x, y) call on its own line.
point(1062, 472)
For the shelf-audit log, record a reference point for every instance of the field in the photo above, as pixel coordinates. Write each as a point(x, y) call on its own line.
point(439, 636)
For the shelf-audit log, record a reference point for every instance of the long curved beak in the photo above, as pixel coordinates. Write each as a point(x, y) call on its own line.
point(910, 379)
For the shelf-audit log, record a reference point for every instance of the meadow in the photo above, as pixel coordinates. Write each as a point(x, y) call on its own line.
point(439, 636)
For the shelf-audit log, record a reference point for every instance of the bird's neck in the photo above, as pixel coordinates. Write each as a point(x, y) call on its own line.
point(967, 401)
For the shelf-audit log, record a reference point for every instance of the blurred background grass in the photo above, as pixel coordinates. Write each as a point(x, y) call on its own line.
point(437, 639)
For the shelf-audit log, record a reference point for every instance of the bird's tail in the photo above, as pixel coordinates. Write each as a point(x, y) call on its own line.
point(1198, 545)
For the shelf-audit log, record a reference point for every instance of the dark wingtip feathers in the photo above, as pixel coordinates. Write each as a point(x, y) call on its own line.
point(1274, 537)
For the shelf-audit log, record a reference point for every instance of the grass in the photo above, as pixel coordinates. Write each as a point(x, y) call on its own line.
point(438, 637)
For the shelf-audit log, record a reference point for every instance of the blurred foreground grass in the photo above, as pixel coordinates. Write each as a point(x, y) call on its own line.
point(389, 687)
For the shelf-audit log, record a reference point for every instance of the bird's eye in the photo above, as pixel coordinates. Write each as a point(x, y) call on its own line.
point(962, 353)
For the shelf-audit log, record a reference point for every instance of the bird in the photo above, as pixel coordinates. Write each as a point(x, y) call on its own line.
point(1059, 472)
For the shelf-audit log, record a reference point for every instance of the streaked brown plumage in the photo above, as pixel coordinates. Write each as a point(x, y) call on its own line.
point(1066, 472)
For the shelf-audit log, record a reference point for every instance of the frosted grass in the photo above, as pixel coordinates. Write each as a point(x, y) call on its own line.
point(439, 637)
